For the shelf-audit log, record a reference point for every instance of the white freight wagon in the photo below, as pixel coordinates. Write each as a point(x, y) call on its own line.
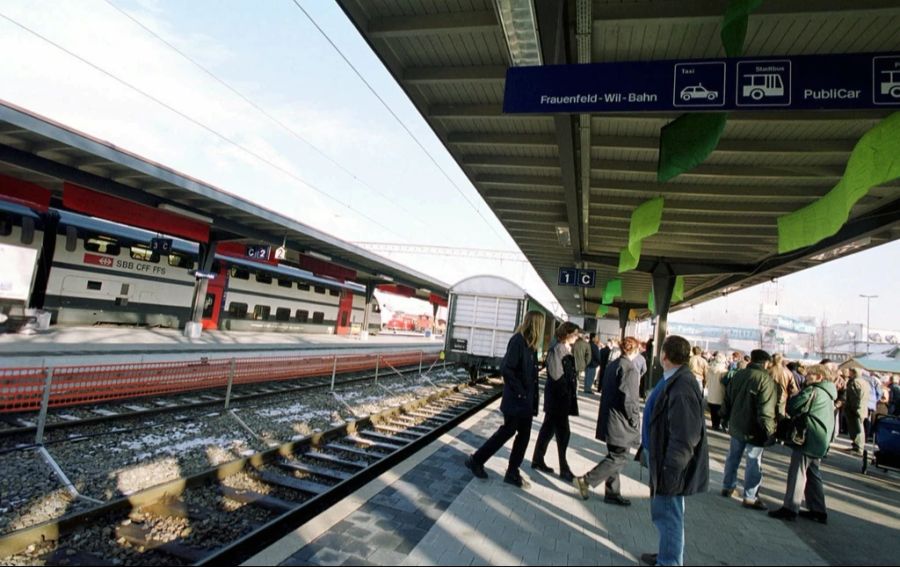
point(484, 313)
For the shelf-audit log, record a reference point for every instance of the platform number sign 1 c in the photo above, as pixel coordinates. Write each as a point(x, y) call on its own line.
point(577, 278)
point(161, 245)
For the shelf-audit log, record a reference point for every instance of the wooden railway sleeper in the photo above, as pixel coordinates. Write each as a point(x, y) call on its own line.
point(312, 469)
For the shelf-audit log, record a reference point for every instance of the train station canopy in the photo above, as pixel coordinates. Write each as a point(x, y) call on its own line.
point(566, 184)
point(75, 167)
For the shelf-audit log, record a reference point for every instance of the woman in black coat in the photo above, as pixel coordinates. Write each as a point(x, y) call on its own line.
point(519, 403)
point(560, 401)
point(618, 424)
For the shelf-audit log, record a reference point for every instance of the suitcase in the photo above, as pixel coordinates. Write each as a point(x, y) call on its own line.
point(887, 442)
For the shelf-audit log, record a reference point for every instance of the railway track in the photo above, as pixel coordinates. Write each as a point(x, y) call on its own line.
point(17, 425)
point(229, 512)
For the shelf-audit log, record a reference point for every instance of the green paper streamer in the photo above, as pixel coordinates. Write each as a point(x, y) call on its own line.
point(645, 222)
point(602, 311)
point(651, 303)
point(678, 292)
point(734, 25)
point(687, 141)
point(875, 160)
point(612, 291)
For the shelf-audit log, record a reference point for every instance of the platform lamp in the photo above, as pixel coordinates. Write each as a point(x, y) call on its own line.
point(869, 299)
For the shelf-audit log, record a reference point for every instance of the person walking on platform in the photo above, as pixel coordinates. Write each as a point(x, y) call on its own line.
point(856, 409)
point(560, 401)
point(876, 390)
point(519, 404)
point(618, 424)
point(605, 352)
point(674, 438)
point(816, 403)
point(784, 382)
point(590, 373)
point(715, 388)
point(749, 408)
point(699, 366)
point(581, 350)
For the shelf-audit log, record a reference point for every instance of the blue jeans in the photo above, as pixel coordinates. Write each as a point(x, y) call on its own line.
point(667, 513)
point(589, 374)
point(753, 471)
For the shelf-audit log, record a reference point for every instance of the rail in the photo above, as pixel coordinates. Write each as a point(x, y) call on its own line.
point(24, 389)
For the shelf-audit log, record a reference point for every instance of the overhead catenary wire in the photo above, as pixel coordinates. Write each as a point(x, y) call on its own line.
point(397, 118)
point(196, 122)
point(262, 111)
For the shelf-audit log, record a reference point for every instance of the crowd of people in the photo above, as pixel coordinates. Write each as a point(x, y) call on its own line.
point(759, 399)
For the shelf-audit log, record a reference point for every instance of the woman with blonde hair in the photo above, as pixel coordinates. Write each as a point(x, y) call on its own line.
point(715, 389)
point(520, 400)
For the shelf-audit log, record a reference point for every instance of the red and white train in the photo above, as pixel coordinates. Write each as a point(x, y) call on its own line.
point(102, 272)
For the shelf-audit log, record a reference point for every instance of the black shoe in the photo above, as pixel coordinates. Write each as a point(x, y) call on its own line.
point(727, 492)
point(754, 504)
point(617, 499)
point(783, 514)
point(648, 558)
point(517, 481)
point(541, 467)
point(820, 517)
point(566, 475)
point(477, 470)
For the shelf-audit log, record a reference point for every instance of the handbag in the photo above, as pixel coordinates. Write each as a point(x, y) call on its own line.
point(792, 431)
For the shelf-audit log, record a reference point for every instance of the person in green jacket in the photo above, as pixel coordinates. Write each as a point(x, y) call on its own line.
point(816, 401)
point(749, 409)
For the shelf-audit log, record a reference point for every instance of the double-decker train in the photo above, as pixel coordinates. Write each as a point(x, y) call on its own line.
point(102, 272)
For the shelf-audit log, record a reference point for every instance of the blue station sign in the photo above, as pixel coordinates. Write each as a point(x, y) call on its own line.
point(802, 82)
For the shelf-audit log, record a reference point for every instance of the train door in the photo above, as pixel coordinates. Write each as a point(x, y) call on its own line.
point(345, 310)
point(215, 297)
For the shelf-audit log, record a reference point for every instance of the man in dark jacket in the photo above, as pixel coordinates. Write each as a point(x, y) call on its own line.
point(749, 408)
point(618, 424)
point(591, 371)
point(674, 436)
point(604, 362)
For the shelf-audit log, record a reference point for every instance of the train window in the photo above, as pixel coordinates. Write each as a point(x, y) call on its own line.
point(71, 238)
point(237, 310)
point(6, 224)
point(263, 278)
point(261, 312)
point(320, 289)
point(102, 244)
point(303, 286)
point(93, 285)
point(282, 314)
point(144, 254)
point(376, 308)
point(285, 283)
point(125, 289)
point(302, 316)
point(239, 274)
point(318, 317)
point(334, 292)
point(182, 261)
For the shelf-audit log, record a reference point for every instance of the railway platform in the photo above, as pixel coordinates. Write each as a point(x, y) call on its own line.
point(97, 345)
point(431, 511)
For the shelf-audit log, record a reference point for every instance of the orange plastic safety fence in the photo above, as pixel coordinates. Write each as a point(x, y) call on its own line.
point(21, 389)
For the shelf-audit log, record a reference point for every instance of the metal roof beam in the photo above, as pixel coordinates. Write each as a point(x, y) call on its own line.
point(736, 206)
point(681, 266)
point(421, 75)
point(754, 116)
point(510, 161)
point(519, 180)
point(542, 140)
point(707, 170)
point(653, 189)
point(734, 146)
point(693, 10)
point(433, 24)
point(551, 21)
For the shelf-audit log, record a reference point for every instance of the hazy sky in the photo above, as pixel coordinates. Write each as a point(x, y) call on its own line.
point(275, 57)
